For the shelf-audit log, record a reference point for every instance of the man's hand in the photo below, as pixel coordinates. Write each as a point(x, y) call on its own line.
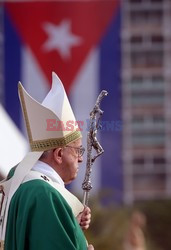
point(84, 219)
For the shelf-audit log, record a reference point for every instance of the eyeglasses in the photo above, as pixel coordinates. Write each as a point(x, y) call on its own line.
point(80, 150)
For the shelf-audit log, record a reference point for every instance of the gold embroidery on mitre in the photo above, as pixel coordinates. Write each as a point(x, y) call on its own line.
point(20, 89)
point(47, 144)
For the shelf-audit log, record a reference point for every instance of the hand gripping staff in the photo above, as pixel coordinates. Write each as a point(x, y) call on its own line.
point(92, 143)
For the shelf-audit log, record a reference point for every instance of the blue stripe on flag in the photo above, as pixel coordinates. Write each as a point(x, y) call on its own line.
point(12, 70)
point(110, 54)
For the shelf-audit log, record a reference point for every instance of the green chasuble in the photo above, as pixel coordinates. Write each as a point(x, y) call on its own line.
point(40, 219)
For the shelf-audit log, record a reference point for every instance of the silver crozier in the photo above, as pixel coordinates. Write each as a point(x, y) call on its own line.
point(92, 143)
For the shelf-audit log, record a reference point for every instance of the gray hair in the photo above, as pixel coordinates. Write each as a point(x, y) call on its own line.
point(45, 154)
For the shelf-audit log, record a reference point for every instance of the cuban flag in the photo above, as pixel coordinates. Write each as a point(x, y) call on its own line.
point(80, 41)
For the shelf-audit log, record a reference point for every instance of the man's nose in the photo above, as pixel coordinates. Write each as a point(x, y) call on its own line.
point(80, 159)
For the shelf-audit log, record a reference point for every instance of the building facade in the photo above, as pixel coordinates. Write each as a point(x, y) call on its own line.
point(146, 85)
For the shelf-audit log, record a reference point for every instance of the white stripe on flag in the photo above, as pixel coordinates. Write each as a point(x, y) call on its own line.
point(33, 77)
point(83, 96)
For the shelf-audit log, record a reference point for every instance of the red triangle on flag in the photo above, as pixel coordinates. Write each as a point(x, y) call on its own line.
point(61, 34)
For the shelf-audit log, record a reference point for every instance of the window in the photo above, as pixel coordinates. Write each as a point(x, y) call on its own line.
point(149, 182)
point(147, 58)
point(148, 98)
point(154, 58)
point(137, 119)
point(135, 1)
point(138, 164)
point(158, 79)
point(148, 122)
point(158, 119)
point(136, 40)
point(159, 161)
point(138, 161)
point(157, 39)
point(143, 17)
point(148, 139)
point(157, 1)
point(150, 84)
point(137, 80)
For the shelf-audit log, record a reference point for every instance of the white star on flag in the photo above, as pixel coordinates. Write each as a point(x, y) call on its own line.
point(61, 38)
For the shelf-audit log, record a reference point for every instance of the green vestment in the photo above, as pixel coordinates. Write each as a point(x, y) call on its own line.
point(40, 219)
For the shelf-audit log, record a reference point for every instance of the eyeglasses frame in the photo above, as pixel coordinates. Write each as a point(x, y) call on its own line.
point(79, 149)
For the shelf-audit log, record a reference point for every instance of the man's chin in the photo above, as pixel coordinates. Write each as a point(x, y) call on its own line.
point(72, 179)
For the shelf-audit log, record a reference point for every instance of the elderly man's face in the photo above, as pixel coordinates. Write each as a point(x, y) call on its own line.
point(71, 159)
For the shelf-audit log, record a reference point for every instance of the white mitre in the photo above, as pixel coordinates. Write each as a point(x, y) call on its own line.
point(43, 120)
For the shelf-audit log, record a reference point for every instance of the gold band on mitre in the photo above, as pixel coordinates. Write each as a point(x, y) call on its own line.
point(44, 145)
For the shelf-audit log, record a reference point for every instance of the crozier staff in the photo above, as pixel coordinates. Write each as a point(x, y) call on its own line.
point(92, 143)
point(37, 212)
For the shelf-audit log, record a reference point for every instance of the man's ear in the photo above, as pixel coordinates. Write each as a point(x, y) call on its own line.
point(57, 153)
